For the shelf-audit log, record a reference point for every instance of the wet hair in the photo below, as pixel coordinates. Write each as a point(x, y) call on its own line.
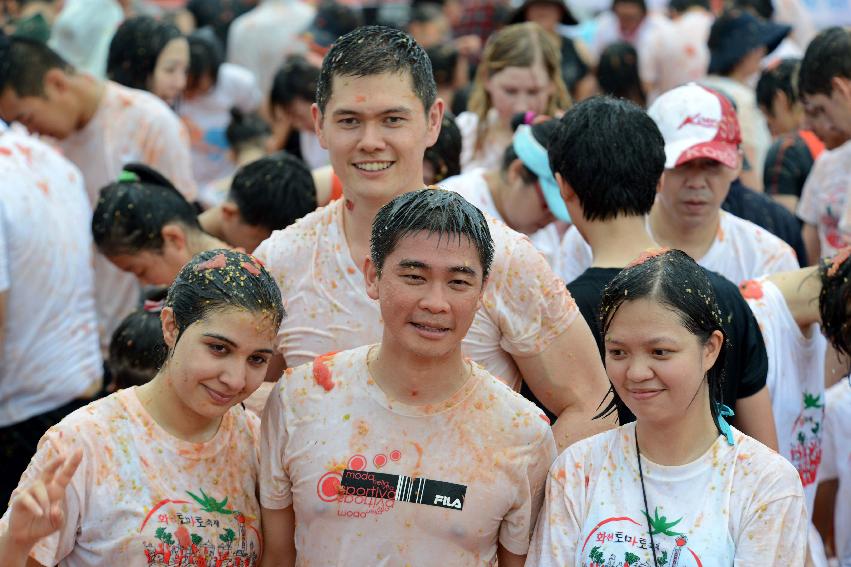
point(206, 56)
point(827, 56)
point(676, 282)
point(435, 210)
point(245, 130)
point(783, 77)
point(445, 155)
point(543, 133)
point(137, 349)
point(221, 279)
point(373, 50)
point(640, 3)
point(131, 213)
point(835, 300)
point(274, 191)
point(612, 154)
point(517, 45)
point(617, 73)
point(297, 78)
point(24, 63)
point(134, 50)
point(682, 5)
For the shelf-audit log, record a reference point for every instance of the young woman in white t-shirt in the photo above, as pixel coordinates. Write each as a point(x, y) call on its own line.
point(164, 473)
point(679, 487)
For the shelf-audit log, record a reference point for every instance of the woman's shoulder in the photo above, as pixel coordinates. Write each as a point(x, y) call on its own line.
point(767, 472)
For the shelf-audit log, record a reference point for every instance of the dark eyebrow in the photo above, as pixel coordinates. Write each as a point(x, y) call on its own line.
point(233, 344)
point(463, 270)
point(413, 265)
point(394, 110)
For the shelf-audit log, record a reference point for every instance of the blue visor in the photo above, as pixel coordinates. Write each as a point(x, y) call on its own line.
point(534, 157)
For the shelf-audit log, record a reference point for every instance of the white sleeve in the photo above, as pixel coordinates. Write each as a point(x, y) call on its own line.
point(574, 256)
point(275, 483)
point(5, 279)
point(558, 531)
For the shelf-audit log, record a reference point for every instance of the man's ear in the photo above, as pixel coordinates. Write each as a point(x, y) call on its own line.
point(317, 125)
point(564, 188)
point(513, 171)
point(661, 183)
point(370, 275)
point(230, 211)
point(55, 82)
point(841, 85)
point(174, 235)
point(435, 119)
point(169, 325)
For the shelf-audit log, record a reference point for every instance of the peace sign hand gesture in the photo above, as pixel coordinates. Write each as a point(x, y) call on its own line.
point(38, 509)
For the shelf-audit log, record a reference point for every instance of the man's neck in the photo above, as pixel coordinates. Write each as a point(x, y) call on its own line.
point(618, 242)
point(694, 240)
point(417, 380)
point(90, 93)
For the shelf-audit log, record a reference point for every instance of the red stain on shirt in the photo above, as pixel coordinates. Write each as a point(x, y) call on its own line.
point(251, 268)
point(544, 417)
point(350, 205)
point(321, 372)
point(217, 261)
point(5, 152)
point(751, 289)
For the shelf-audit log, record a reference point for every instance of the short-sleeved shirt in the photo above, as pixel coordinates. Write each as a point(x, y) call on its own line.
point(836, 463)
point(129, 126)
point(524, 308)
point(374, 481)
point(488, 156)
point(746, 360)
point(143, 497)
point(677, 53)
point(49, 354)
point(795, 380)
point(208, 116)
point(473, 187)
point(789, 161)
point(825, 197)
point(739, 504)
point(741, 251)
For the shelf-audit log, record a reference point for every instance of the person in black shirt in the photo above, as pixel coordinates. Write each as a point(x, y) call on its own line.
point(608, 200)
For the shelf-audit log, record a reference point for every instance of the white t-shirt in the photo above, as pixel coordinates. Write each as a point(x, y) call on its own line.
point(824, 197)
point(143, 497)
point(377, 482)
point(741, 251)
point(261, 40)
point(524, 308)
point(677, 53)
point(208, 116)
point(837, 463)
point(489, 156)
point(49, 353)
point(129, 126)
point(795, 380)
point(473, 187)
point(739, 505)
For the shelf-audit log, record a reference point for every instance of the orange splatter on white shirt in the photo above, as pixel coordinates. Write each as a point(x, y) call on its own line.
point(824, 199)
point(524, 308)
point(143, 497)
point(377, 482)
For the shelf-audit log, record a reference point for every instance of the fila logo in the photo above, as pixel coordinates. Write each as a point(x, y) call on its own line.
point(447, 502)
point(699, 120)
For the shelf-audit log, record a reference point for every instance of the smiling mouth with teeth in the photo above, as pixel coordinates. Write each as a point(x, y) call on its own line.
point(374, 165)
point(428, 328)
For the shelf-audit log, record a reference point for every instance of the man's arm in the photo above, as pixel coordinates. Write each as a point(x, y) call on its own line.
point(507, 559)
point(809, 234)
point(755, 418)
point(569, 379)
point(278, 537)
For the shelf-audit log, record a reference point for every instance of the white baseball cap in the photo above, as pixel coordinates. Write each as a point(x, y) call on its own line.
point(697, 122)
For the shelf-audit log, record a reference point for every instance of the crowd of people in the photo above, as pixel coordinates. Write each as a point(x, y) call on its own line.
point(454, 282)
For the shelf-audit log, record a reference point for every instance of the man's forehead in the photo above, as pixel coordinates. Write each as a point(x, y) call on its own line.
point(341, 85)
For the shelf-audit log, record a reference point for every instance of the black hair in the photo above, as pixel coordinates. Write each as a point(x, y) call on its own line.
point(206, 56)
point(245, 130)
point(640, 3)
point(131, 212)
point(134, 50)
point(612, 154)
point(423, 12)
point(297, 78)
point(219, 279)
point(373, 50)
point(436, 211)
point(445, 155)
point(674, 280)
point(835, 300)
point(682, 5)
point(444, 60)
point(783, 77)
point(828, 55)
point(762, 8)
point(137, 349)
point(23, 64)
point(274, 191)
point(617, 73)
point(543, 133)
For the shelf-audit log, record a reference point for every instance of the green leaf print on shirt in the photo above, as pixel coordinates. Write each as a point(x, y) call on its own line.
point(811, 401)
point(660, 524)
point(210, 504)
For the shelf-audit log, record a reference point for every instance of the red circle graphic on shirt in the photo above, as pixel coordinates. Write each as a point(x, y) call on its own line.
point(328, 487)
point(379, 460)
point(357, 463)
point(395, 455)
